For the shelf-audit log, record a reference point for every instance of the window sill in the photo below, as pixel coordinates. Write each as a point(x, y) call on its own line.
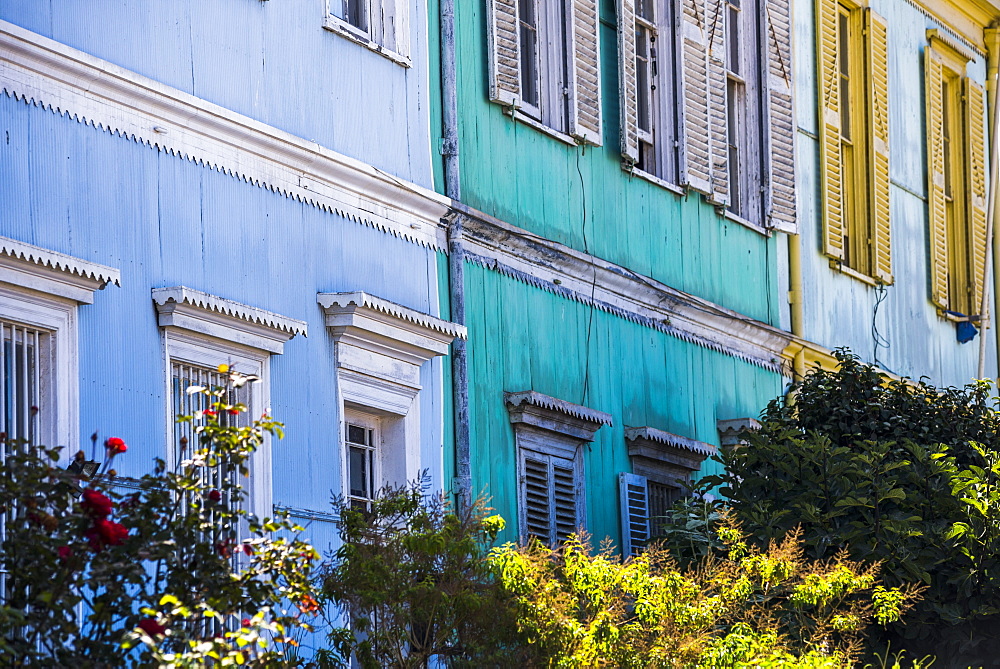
point(844, 269)
point(735, 218)
point(538, 125)
point(653, 179)
point(974, 319)
point(335, 25)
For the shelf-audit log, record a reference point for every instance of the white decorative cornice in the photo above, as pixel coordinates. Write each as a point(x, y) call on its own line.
point(651, 434)
point(546, 264)
point(40, 70)
point(53, 273)
point(336, 303)
point(731, 429)
point(193, 310)
point(553, 414)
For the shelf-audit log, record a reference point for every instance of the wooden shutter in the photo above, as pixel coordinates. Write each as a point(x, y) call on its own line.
point(504, 51)
point(878, 151)
point(718, 110)
point(937, 216)
point(975, 149)
point(399, 25)
point(633, 495)
point(585, 72)
point(831, 178)
point(697, 126)
point(627, 96)
point(537, 484)
point(780, 193)
point(564, 501)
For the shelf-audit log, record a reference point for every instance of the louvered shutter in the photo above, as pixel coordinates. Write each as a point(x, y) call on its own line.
point(976, 151)
point(537, 484)
point(627, 96)
point(633, 495)
point(718, 110)
point(831, 178)
point(937, 216)
point(398, 24)
point(564, 500)
point(780, 194)
point(585, 72)
point(878, 111)
point(697, 126)
point(504, 51)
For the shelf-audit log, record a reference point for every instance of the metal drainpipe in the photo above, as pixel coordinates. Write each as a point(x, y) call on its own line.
point(992, 36)
point(795, 300)
point(456, 255)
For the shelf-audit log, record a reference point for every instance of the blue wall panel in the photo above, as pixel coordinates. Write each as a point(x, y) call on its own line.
point(166, 221)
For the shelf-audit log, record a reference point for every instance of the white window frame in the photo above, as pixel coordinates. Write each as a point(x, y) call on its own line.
point(43, 289)
point(205, 330)
point(373, 423)
point(551, 430)
point(388, 37)
point(550, 70)
point(379, 350)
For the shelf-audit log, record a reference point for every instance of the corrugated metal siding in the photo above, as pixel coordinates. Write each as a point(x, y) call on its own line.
point(273, 62)
point(165, 221)
point(524, 338)
point(525, 177)
point(839, 309)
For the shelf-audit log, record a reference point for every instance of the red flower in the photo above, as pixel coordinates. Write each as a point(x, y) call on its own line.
point(210, 413)
point(65, 553)
point(234, 412)
point(115, 445)
point(105, 533)
point(151, 627)
point(248, 549)
point(96, 504)
point(215, 495)
point(224, 549)
point(245, 622)
point(308, 604)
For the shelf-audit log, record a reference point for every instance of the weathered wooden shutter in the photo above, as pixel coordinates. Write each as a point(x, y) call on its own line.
point(937, 216)
point(627, 95)
point(585, 72)
point(634, 499)
point(780, 194)
point(564, 501)
point(697, 125)
point(718, 110)
point(878, 111)
point(400, 25)
point(831, 178)
point(537, 486)
point(975, 107)
point(504, 51)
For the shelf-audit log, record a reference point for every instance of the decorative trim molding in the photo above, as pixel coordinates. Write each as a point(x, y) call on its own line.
point(730, 430)
point(651, 434)
point(337, 303)
point(190, 309)
point(53, 273)
point(54, 76)
point(501, 247)
point(664, 457)
point(556, 415)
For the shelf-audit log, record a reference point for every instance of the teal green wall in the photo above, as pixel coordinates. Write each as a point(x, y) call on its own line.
point(525, 338)
point(582, 198)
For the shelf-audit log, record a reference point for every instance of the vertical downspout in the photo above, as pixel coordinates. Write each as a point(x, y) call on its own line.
point(795, 301)
point(992, 36)
point(456, 255)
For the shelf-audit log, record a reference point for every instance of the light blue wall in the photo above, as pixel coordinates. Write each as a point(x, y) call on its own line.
point(271, 61)
point(839, 310)
point(165, 221)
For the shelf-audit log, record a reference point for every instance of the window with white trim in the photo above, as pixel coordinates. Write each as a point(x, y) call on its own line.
point(550, 435)
point(379, 25)
point(662, 467)
point(743, 109)
point(544, 63)
point(380, 348)
point(200, 333)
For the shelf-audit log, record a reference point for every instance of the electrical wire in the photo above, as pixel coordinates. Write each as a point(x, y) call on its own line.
point(593, 284)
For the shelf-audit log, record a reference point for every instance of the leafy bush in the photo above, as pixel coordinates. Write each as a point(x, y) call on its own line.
point(892, 471)
point(159, 564)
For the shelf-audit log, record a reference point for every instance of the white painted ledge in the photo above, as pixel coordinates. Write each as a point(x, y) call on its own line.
point(53, 273)
point(53, 75)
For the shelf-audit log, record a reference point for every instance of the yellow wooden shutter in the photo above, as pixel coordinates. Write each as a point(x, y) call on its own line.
point(502, 31)
point(585, 72)
point(937, 217)
point(976, 190)
point(878, 113)
point(831, 186)
point(627, 95)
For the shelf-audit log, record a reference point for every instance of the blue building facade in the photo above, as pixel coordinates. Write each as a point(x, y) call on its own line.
point(250, 182)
